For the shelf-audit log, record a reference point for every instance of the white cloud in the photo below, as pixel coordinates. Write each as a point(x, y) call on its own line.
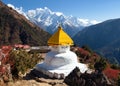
point(87, 22)
point(95, 22)
point(84, 22)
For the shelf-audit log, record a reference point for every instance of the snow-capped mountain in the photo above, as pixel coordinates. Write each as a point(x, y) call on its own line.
point(49, 20)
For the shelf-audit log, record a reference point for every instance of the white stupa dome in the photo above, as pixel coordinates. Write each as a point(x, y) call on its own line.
point(56, 59)
point(60, 61)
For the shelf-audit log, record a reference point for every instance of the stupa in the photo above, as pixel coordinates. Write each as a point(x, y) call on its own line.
point(60, 61)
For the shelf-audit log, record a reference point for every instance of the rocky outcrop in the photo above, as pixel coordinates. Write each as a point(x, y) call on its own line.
point(76, 78)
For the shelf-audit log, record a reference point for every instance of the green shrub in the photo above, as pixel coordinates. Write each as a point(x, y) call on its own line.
point(23, 61)
point(115, 66)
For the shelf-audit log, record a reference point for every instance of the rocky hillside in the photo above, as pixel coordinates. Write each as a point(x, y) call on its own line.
point(103, 38)
point(15, 28)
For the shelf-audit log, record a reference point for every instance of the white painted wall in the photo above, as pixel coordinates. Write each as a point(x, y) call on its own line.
point(60, 48)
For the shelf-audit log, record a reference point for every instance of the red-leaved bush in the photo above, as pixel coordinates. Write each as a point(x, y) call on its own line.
point(111, 73)
point(83, 52)
point(4, 59)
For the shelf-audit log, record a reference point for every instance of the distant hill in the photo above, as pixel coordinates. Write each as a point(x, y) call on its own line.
point(15, 28)
point(103, 38)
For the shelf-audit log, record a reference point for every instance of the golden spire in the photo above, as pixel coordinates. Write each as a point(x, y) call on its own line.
point(60, 38)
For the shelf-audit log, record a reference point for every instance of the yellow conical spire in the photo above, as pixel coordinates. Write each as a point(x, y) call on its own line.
point(60, 38)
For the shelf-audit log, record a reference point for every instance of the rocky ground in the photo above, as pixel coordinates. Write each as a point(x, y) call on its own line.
point(41, 82)
point(75, 78)
point(35, 78)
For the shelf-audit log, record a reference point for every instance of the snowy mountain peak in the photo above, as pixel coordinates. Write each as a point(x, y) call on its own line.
point(58, 13)
point(48, 20)
point(19, 10)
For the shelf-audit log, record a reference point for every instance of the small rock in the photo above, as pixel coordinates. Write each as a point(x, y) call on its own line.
point(5, 78)
point(2, 82)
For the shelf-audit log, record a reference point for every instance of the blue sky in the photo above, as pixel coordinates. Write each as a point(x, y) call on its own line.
point(99, 10)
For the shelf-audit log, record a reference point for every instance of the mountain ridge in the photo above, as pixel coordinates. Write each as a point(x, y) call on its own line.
point(102, 37)
point(15, 29)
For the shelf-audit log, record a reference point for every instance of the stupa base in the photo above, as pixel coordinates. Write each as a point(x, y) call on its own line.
point(60, 72)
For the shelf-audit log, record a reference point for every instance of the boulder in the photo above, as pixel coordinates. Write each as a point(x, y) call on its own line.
point(76, 78)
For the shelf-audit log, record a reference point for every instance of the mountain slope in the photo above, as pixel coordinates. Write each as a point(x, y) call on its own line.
point(15, 28)
point(103, 38)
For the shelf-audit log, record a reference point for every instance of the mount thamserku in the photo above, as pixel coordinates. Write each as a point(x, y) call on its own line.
point(49, 20)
